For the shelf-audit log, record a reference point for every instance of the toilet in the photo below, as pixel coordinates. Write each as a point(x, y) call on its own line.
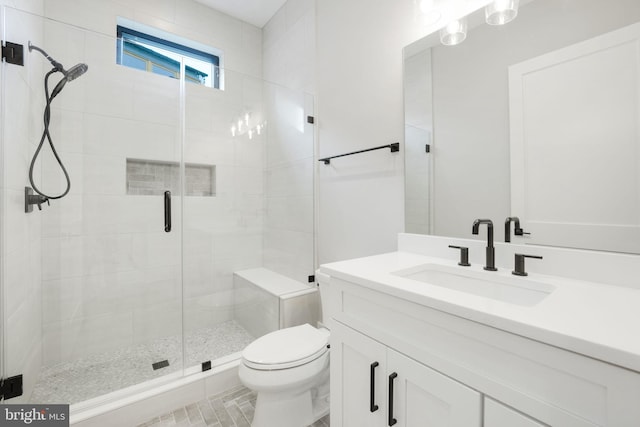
point(289, 371)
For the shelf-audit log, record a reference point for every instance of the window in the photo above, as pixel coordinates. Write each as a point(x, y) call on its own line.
point(156, 55)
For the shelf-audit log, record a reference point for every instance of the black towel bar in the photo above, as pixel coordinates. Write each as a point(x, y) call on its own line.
point(394, 148)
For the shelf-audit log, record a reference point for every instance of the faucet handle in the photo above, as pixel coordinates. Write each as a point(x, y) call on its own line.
point(41, 201)
point(519, 264)
point(520, 232)
point(464, 255)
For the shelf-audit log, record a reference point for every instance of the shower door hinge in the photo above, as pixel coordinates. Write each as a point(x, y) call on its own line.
point(427, 148)
point(311, 120)
point(11, 387)
point(13, 53)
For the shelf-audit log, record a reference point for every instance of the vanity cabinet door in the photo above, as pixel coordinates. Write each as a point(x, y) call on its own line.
point(426, 398)
point(498, 415)
point(356, 400)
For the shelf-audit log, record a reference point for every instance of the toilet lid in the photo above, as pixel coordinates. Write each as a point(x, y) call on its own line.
point(286, 348)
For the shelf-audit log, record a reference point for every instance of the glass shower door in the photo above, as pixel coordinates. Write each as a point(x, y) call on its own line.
point(222, 212)
point(248, 212)
point(92, 282)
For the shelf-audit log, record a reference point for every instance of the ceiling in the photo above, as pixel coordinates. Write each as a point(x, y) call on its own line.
point(256, 12)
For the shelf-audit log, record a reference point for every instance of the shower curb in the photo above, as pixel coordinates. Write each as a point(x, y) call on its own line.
point(138, 406)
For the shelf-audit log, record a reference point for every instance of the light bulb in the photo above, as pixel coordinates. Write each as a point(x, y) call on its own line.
point(258, 129)
point(250, 134)
point(501, 11)
point(453, 27)
point(501, 5)
point(426, 6)
point(233, 130)
point(246, 119)
point(454, 33)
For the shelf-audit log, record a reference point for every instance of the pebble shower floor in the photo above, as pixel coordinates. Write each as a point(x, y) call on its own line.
point(96, 375)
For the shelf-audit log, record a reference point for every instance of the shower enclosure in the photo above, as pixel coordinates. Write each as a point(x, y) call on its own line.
point(97, 293)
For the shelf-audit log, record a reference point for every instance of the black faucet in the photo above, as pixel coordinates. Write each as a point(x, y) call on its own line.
point(491, 251)
point(516, 231)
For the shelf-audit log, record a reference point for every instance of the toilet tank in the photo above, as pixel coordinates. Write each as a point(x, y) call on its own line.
point(327, 299)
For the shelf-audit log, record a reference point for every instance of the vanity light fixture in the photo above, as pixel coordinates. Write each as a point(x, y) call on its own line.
point(454, 33)
point(499, 12)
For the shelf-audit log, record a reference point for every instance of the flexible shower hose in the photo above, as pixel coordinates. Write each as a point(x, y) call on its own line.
point(46, 135)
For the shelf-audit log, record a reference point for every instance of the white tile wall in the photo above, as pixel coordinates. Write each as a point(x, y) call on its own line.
point(289, 46)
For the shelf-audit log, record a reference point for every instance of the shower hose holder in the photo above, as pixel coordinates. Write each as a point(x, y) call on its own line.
point(31, 199)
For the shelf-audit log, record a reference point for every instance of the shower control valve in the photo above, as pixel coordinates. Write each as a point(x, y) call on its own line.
point(31, 199)
point(41, 200)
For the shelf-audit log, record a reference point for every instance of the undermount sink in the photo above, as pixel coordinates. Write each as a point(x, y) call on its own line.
point(496, 286)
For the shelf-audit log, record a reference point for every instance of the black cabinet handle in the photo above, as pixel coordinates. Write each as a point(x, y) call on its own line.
point(167, 211)
point(392, 420)
point(372, 387)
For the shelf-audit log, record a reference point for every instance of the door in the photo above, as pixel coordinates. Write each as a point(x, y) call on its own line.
point(92, 291)
point(574, 131)
point(420, 396)
point(358, 379)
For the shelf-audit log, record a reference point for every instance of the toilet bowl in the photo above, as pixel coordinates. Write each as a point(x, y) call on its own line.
point(289, 371)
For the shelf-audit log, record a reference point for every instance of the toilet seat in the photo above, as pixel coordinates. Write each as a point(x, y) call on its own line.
point(286, 348)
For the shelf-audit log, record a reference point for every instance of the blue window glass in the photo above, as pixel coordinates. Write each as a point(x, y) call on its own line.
point(145, 52)
point(162, 71)
point(133, 62)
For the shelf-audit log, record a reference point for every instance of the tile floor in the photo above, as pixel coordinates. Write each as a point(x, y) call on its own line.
point(232, 408)
point(99, 374)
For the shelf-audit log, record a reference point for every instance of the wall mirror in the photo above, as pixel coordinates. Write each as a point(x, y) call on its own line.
point(538, 118)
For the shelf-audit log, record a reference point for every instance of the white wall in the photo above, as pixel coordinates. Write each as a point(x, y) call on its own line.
point(360, 105)
point(289, 44)
point(20, 271)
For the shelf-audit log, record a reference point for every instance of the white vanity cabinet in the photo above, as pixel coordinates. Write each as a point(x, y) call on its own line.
point(498, 415)
point(358, 371)
point(373, 385)
point(457, 372)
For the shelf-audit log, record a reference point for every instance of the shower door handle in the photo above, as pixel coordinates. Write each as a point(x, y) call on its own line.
point(167, 211)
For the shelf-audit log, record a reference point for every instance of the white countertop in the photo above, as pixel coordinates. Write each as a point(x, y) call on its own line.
point(593, 319)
